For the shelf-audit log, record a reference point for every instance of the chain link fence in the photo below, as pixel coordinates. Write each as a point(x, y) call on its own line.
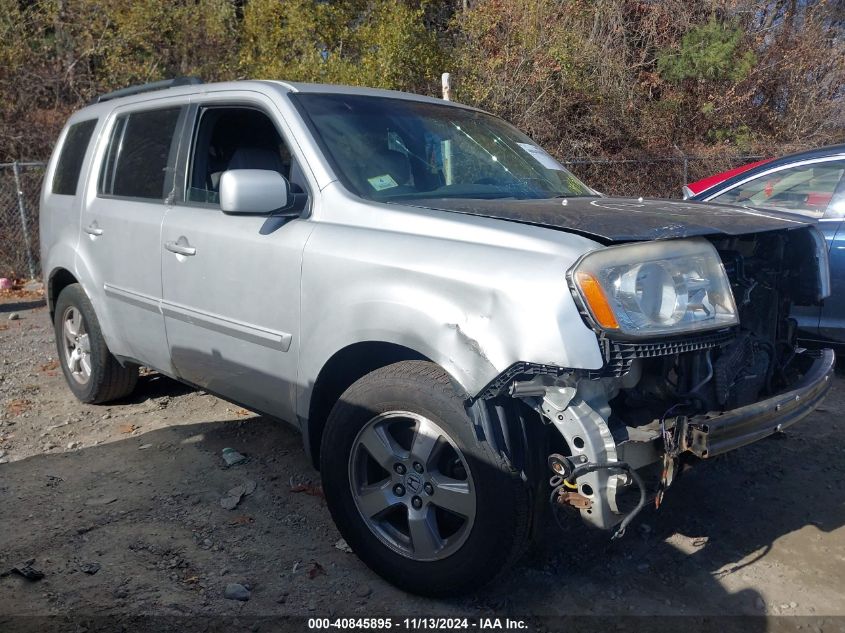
point(20, 188)
point(657, 177)
point(660, 177)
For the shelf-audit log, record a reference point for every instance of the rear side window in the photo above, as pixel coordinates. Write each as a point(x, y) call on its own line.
point(70, 159)
point(138, 154)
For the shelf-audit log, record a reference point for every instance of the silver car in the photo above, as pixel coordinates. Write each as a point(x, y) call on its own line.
point(461, 329)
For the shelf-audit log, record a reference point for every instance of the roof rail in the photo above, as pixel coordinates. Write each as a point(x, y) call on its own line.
point(155, 85)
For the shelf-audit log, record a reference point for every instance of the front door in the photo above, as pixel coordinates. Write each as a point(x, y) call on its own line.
point(231, 283)
point(121, 229)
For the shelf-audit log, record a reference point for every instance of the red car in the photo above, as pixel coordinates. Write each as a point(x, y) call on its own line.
point(700, 186)
point(810, 184)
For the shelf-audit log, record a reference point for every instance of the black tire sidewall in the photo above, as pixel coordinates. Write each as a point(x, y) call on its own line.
point(501, 497)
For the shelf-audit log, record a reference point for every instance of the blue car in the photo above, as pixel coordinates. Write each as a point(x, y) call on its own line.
point(811, 184)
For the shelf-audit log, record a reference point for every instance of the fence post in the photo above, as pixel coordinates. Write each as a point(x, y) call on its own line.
point(22, 210)
point(686, 172)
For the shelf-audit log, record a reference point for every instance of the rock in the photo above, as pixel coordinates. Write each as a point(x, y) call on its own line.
point(230, 501)
point(144, 447)
point(233, 497)
point(26, 570)
point(362, 591)
point(232, 457)
point(72, 445)
point(33, 286)
point(14, 316)
point(2, 454)
point(343, 546)
point(89, 568)
point(235, 591)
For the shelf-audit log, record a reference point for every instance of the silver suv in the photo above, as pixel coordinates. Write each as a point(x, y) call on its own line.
point(461, 329)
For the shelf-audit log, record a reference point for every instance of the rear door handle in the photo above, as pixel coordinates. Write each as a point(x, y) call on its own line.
point(93, 229)
point(180, 249)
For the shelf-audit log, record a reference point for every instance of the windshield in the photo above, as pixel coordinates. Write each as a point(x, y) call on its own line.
point(394, 149)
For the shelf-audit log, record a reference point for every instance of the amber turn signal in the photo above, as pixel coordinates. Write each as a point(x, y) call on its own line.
point(596, 300)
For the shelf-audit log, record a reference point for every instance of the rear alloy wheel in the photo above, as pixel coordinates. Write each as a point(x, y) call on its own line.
point(76, 344)
point(414, 488)
point(92, 373)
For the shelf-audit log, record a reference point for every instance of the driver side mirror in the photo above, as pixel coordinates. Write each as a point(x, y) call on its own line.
point(254, 192)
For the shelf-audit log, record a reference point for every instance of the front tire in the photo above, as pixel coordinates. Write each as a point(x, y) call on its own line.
point(92, 373)
point(419, 497)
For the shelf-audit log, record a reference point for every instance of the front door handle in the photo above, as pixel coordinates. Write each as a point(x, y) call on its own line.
point(93, 229)
point(180, 248)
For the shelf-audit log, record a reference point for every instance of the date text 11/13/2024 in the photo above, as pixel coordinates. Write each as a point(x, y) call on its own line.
point(416, 624)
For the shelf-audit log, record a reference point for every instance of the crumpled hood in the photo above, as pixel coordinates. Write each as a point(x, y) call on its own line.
point(623, 219)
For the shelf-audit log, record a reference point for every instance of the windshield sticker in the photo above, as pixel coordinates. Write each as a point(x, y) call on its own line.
point(384, 181)
point(573, 184)
point(541, 156)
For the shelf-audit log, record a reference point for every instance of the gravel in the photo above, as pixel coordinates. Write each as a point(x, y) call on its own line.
point(742, 534)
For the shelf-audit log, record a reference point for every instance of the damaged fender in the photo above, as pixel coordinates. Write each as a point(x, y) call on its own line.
point(474, 317)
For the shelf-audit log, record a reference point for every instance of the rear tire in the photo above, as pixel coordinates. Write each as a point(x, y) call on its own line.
point(474, 506)
point(93, 374)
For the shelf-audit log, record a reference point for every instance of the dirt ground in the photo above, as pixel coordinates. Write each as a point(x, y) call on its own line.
point(135, 488)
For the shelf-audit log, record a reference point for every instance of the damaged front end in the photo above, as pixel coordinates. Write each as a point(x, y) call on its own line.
point(700, 357)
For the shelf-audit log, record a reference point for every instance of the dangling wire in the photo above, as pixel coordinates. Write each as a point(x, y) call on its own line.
point(670, 440)
point(583, 469)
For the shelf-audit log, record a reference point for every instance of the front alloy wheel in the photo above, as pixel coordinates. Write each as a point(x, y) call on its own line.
point(411, 485)
point(415, 488)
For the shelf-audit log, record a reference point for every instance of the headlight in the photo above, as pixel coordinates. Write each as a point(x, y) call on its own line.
point(655, 288)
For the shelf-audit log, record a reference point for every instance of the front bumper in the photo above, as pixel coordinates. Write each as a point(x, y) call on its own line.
point(712, 434)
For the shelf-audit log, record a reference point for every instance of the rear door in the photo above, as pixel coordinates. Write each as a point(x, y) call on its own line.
point(231, 291)
point(126, 201)
point(809, 188)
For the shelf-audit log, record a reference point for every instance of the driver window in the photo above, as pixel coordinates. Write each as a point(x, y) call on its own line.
point(236, 138)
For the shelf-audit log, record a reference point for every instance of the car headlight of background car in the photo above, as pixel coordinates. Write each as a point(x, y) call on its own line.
point(663, 287)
